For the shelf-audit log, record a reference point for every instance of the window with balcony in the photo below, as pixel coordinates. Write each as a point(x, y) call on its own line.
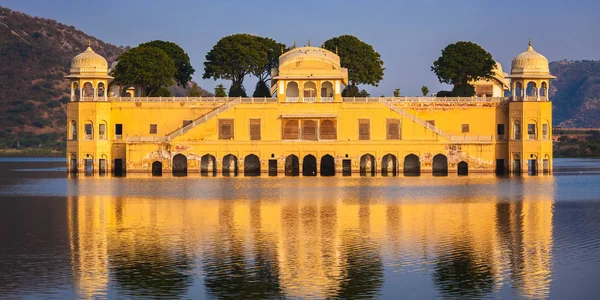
point(531, 132)
point(118, 131)
point(500, 131)
point(73, 130)
point(545, 131)
point(255, 130)
point(328, 130)
point(226, 129)
point(309, 130)
point(290, 130)
point(517, 130)
point(364, 129)
point(393, 129)
point(102, 131)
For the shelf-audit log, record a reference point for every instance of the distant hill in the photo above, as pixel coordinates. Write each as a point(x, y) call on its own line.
point(575, 93)
point(35, 55)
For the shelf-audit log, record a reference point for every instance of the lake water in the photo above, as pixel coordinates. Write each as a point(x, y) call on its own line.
point(479, 236)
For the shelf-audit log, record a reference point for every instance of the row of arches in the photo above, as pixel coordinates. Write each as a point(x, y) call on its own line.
point(309, 90)
point(327, 165)
point(87, 90)
point(531, 90)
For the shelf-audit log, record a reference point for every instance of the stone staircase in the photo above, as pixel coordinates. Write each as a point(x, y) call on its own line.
point(418, 120)
point(203, 119)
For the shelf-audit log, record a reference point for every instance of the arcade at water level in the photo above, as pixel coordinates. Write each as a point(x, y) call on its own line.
point(308, 128)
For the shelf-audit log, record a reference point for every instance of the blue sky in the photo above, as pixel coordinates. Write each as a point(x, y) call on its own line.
point(409, 35)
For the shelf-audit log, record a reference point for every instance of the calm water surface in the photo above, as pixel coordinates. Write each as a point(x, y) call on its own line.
point(195, 237)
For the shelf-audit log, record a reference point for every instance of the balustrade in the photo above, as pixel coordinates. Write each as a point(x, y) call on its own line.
point(309, 99)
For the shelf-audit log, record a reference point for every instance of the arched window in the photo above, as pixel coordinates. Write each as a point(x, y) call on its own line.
point(309, 130)
point(328, 130)
point(101, 90)
point(75, 92)
point(517, 130)
point(290, 130)
point(531, 91)
point(544, 89)
point(292, 92)
point(546, 130)
point(519, 90)
point(102, 131)
point(309, 93)
point(73, 130)
point(88, 90)
point(88, 130)
point(532, 130)
point(327, 92)
point(440, 165)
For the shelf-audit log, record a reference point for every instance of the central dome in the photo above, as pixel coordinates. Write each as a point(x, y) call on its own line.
point(89, 62)
point(530, 62)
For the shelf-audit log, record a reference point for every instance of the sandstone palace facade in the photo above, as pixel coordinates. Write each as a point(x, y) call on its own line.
point(308, 128)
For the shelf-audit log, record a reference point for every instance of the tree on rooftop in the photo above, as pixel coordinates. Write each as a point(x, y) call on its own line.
point(234, 57)
point(424, 90)
point(364, 64)
point(181, 59)
point(272, 50)
point(220, 91)
point(149, 67)
point(461, 63)
point(195, 91)
point(396, 92)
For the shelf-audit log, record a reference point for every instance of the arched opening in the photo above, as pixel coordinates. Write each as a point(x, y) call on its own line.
point(292, 165)
point(544, 89)
point(290, 130)
point(292, 93)
point(309, 165)
point(327, 130)
point(102, 164)
point(88, 89)
point(531, 90)
point(73, 135)
point(309, 92)
point(102, 130)
point(327, 165)
point(519, 89)
point(532, 165)
point(463, 168)
point(532, 130)
point(251, 165)
point(517, 130)
point(101, 90)
point(309, 130)
point(517, 164)
point(88, 130)
point(412, 165)
point(75, 92)
point(546, 164)
point(180, 165)
point(88, 163)
point(73, 163)
point(157, 168)
point(367, 165)
point(230, 165)
point(327, 92)
point(208, 165)
point(389, 165)
point(440, 165)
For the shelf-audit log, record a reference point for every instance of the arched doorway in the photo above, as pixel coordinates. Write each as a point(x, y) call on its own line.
point(157, 168)
point(292, 165)
point(292, 92)
point(74, 167)
point(463, 168)
point(230, 165)
point(532, 165)
point(88, 90)
point(251, 165)
point(179, 165)
point(412, 165)
point(327, 165)
point(440, 165)
point(309, 93)
point(389, 165)
point(309, 165)
point(367, 165)
point(208, 165)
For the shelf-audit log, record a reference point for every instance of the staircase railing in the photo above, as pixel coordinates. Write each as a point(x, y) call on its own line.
point(203, 119)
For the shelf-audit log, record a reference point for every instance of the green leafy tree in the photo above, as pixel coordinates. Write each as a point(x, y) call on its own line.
point(272, 50)
point(353, 91)
point(220, 91)
point(181, 59)
point(234, 57)
point(396, 92)
point(462, 63)
point(261, 90)
point(195, 91)
point(236, 90)
point(364, 64)
point(149, 67)
point(424, 90)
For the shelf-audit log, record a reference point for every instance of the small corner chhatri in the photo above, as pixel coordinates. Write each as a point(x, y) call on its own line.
point(309, 74)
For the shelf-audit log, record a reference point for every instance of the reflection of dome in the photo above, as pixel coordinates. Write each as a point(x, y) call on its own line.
point(89, 62)
point(530, 62)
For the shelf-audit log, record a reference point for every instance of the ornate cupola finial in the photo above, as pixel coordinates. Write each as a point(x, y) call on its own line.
point(529, 42)
point(309, 42)
point(281, 49)
point(89, 44)
point(294, 44)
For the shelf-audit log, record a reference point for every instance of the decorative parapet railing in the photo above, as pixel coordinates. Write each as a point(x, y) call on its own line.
point(326, 99)
point(292, 99)
point(427, 99)
point(531, 98)
point(146, 139)
point(202, 119)
point(309, 99)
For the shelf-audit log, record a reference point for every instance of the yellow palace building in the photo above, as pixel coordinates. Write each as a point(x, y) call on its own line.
point(308, 128)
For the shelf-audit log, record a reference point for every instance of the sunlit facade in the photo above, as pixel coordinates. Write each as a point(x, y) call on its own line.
point(308, 128)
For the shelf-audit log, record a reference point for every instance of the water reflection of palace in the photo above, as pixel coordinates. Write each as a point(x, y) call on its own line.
point(318, 247)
